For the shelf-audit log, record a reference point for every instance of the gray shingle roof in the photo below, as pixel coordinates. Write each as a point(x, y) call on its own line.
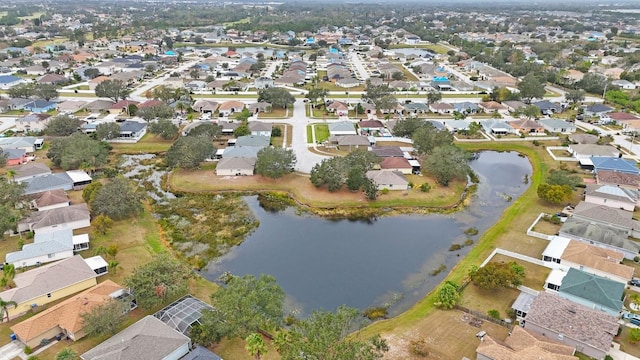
point(147, 339)
point(253, 140)
point(43, 244)
point(57, 216)
point(574, 321)
point(48, 182)
point(584, 229)
point(606, 215)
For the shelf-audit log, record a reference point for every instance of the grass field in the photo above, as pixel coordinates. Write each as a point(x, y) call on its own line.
point(439, 49)
point(322, 132)
point(309, 135)
point(148, 144)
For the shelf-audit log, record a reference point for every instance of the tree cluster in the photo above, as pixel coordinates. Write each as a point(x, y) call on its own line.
point(275, 162)
point(10, 197)
point(62, 125)
point(161, 111)
point(76, 151)
point(189, 151)
point(446, 163)
point(116, 199)
point(381, 96)
point(447, 296)
point(164, 128)
point(498, 275)
point(26, 91)
point(162, 279)
point(277, 97)
point(115, 90)
point(350, 170)
point(207, 130)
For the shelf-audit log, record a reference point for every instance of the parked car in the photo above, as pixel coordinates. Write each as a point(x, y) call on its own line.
point(634, 282)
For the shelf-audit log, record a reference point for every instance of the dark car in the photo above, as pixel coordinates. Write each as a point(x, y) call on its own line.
point(635, 282)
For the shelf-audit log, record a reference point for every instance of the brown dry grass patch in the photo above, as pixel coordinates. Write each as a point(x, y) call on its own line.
point(447, 334)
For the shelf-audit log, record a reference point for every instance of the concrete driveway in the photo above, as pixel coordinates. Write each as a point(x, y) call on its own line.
point(11, 351)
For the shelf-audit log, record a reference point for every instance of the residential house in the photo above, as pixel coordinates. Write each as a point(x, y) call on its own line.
point(93, 83)
point(338, 107)
point(65, 319)
point(491, 106)
point(9, 81)
point(416, 108)
point(253, 141)
point(131, 131)
point(52, 79)
point(624, 84)
point(593, 291)
point(18, 103)
point(457, 125)
point(527, 127)
point(71, 106)
point(583, 138)
point(547, 107)
point(40, 106)
point(258, 128)
point(616, 178)
point(399, 164)
point(587, 151)
point(390, 180)
point(263, 83)
point(30, 170)
point(522, 344)
point(48, 283)
point(606, 215)
point(496, 127)
point(614, 164)
point(205, 106)
point(236, 166)
point(514, 105)
point(601, 235)
point(465, 107)
point(99, 105)
point(15, 156)
point(370, 126)
point(597, 110)
point(122, 107)
point(48, 247)
point(47, 182)
point(230, 107)
point(32, 123)
point(341, 128)
point(589, 331)
point(350, 142)
point(387, 151)
point(79, 178)
point(51, 199)
point(586, 257)
point(147, 339)
point(73, 217)
point(258, 107)
point(612, 196)
point(441, 108)
point(558, 126)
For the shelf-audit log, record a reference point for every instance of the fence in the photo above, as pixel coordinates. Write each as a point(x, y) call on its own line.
point(484, 317)
point(530, 232)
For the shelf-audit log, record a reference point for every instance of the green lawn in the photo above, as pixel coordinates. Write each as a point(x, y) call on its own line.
point(322, 132)
point(148, 144)
point(309, 135)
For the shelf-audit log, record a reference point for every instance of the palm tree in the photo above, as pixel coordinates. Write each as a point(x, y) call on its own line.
point(113, 265)
point(67, 354)
point(11, 173)
point(4, 308)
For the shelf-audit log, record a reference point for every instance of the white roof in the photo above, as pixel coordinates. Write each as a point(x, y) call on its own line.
point(586, 161)
point(78, 176)
point(96, 262)
point(80, 239)
point(555, 277)
point(414, 163)
point(556, 247)
point(219, 152)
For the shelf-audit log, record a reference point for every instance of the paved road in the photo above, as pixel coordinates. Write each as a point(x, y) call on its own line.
point(7, 123)
point(622, 140)
point(363, 75)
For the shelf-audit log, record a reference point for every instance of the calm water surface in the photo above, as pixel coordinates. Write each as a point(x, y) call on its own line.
point(322, 264)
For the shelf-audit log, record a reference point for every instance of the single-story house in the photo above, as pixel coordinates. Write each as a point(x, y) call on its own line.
point(601, 235)
point(399, 164)
point(236, 166)
point(80, 179)
point(465, 107)
point(612, 196)
point(253, 141)
point(147, 339)
point(370, 126)
point(558, 126)
point(614, 164)
point(547, 107)
point(239, 152)
point(606, 215)
point(340, 128)
point(496, 127)
point(491, 106)
point(457, 125)
point(587, 151)
point(205, 106)
point(590, 258)
point(51, 199)
point(32, 122)
point(259, 128)
point(416, 108)
point(527, 127)
point(514, 105)
point(48, 247)
point(593, 291)
point(42, 183)
point(338, 107)
point(263, 83)
point(589, 331)
point(131, 131)
point(30, 170)
point(350, 142)
point(122, 107)
point(626, 180)
point(583, 138)
point(99, 105)
point(391, 180)
point(522, 344)
point(9, 81)
point(258, 107)
point(387, 151)
point(40, 106)
point(597, 110)
point(28, 143)
point(97, 81)
point(48, 283)
point(71, 106)
point(73, 217)
point(624, 84)
point(441, 108)
point(15, 156)
point(230, 107)
point(65, 319)
point(52, 79)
